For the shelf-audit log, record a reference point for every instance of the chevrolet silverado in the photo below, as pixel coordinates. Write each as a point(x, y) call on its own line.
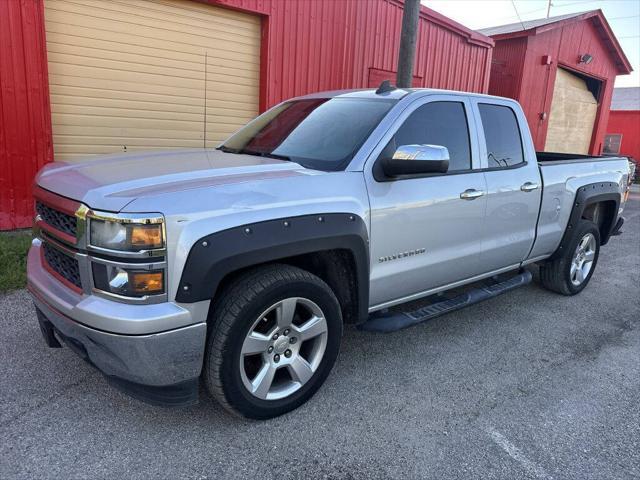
point(237, 267)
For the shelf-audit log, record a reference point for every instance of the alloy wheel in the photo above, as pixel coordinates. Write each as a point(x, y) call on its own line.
point(582, 261)
point(283, 348)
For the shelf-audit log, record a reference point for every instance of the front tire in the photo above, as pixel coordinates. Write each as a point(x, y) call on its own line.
point(570, 272)
point(275, 337)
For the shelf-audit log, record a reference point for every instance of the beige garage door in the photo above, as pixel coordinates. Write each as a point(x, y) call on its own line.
point(131, 75)
point(572, 116)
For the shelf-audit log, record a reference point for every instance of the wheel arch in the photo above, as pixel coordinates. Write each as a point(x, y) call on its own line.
point(332, 246)
point(597, 202)
point(603, 213)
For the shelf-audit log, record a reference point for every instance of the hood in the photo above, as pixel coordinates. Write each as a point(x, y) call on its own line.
point(111, 182)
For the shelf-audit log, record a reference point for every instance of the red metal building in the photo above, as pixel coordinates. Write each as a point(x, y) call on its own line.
point(623, 130)
point(562, 71)
point(49, 86)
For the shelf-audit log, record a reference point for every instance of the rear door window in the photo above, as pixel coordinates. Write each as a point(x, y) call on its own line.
point(502, 134)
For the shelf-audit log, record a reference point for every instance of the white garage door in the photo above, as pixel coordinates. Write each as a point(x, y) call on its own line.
point(572, 116)
point(130, 75)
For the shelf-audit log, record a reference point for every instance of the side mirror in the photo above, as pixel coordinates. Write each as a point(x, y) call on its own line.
point(417, 159)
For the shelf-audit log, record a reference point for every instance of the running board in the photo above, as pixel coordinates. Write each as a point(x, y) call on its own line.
point(392, 321)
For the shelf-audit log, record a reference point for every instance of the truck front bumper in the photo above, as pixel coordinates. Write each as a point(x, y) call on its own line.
point(161, 368)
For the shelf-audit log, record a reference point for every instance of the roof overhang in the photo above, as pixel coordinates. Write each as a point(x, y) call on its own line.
point(471, 36)
point(602, 26)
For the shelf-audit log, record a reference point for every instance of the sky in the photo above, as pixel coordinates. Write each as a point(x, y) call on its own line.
point(623, 17)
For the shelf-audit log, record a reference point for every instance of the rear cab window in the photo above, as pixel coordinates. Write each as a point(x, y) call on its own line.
point(502, 136)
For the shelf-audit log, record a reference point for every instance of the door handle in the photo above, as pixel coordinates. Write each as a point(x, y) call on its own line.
point(529, 187)
point(471, 194)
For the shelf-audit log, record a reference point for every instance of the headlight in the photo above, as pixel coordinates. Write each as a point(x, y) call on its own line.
point(126, 234)
point(128, 282)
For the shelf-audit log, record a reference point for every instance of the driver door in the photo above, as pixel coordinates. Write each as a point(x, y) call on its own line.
point(426, 230)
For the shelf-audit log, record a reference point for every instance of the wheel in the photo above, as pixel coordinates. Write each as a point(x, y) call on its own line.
point(275, 335)
point(569, 273)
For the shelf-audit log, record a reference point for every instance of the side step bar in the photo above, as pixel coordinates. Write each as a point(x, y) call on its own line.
point(392, 321)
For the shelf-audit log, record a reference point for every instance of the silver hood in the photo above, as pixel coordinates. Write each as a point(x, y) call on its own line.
point(111, 182)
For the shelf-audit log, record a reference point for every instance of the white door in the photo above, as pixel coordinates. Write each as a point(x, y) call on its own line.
point(572, 116)
point(137, 74)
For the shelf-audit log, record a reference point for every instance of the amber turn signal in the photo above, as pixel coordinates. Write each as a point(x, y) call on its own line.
point(146, 236)
point(145, 283)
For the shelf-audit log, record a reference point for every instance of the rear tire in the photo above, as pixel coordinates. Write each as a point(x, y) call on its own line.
point(570, 272)
point(275, 335)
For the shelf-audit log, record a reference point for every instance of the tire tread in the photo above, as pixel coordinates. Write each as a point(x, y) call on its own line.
point(239, 293)
point(553, 272)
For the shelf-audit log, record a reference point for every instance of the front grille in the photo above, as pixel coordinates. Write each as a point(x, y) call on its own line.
point(59, 220)
point(64, 265)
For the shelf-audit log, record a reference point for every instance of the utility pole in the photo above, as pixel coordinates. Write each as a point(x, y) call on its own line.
point(408, 39)
point(548, 8)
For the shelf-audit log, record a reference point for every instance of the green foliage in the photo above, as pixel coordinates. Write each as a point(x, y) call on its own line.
point(13, 259)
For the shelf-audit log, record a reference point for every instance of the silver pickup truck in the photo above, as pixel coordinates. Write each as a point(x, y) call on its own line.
point(237, 267)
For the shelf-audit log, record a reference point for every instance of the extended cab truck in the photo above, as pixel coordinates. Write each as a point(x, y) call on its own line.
point(238, 266)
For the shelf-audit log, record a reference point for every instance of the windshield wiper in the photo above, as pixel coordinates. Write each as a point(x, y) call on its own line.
point(265, 154)
point(224, 149)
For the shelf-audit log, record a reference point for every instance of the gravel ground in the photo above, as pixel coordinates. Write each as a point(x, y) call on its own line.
point(528, 385)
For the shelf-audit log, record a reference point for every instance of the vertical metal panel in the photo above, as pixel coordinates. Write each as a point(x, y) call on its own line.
point(25, 124)
point(506, 67)
point(306, 46)
point(315, 45)
point(627, 124)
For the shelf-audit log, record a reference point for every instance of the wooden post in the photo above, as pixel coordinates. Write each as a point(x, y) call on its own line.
point(408, 39)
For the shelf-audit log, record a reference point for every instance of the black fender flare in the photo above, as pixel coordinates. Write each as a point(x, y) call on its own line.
point(585, 196)
point(214, 256)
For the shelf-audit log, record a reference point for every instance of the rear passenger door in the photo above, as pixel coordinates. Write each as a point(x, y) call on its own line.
point(513, 184)
point(425, 229)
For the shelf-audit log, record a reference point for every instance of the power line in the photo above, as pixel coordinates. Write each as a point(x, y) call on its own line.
point(626, 16)
point(553, 5)
point(542, 9)
point(575, 3)
point(517, 14)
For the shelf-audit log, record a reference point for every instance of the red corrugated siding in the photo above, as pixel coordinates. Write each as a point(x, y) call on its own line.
point(25, 123)
point(325, 45)
point(533, 82)
point(627, 123)
point(307, 46)
point(506, 67)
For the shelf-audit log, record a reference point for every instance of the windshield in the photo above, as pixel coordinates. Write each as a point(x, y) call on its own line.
point(321, 133)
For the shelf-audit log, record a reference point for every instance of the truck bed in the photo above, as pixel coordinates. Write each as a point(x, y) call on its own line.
point(562, 174)
point(554, 157)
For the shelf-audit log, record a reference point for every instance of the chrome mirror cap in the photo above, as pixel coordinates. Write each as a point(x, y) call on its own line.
point(421, 152)
point(417, 160)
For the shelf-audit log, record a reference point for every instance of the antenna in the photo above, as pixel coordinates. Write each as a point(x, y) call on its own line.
point(385, 87)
